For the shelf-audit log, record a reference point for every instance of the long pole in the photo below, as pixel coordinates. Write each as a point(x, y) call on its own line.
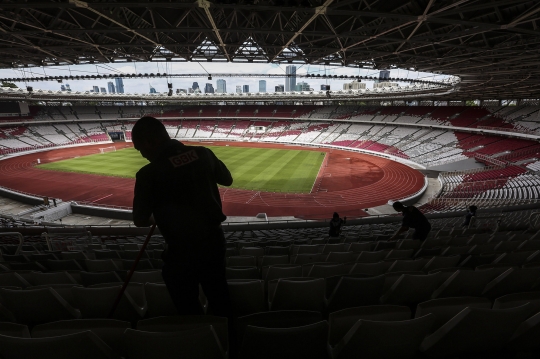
point(132, 270)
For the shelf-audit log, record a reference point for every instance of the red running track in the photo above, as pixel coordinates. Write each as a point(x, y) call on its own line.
point(347, 183)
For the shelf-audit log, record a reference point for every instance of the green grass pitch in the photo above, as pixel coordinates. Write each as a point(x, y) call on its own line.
point(261, 169)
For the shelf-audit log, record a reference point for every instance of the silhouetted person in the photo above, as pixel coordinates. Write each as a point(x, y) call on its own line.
point(335, 225)
point(412, 218)
point(470, 214)
point(178, 190)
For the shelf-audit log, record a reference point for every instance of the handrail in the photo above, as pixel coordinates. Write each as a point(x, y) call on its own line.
point(21, 239)
point(48, 236)
point(495, 128)
point(103, 205)
point(488, 159)
point(469, 171)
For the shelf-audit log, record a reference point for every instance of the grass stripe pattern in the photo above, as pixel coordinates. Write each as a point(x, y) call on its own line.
point(259, 169)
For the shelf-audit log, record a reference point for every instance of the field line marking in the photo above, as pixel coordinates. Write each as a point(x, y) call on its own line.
point(99, 199)
point(253, 197)
point(319, 174)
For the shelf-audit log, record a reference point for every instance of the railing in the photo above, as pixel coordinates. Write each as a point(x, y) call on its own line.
point(31, 149)
point(481, 157)
point(468, 172)
point(451, 204)
point(20, 192)
point(93, 204)
point(16, 234)
point(535, 151)
point(517, 130)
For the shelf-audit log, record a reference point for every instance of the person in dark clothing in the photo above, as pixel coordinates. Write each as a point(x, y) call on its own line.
point(412, 218)
point(178, 191)
point(470, 214)
point(335, 225)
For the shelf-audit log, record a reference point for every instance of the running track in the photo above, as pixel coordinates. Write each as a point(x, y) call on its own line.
point(347, 183)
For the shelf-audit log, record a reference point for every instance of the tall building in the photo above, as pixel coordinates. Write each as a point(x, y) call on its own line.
point(110, 85)
point(103, 90)
point(119, 84)
point(221, 86)
point(280, 88)
point(245, 88)
point(384, 75)
point(209, 88)
point(238, 89)
point(195, 86)
point(95, 88)
point(62, 88)
point(68, 89)
point(290, 80)
point(262, 86)
point(152, 90)
point(302, 86)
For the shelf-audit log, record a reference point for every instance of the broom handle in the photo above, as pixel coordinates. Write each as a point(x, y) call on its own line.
point(130, 273)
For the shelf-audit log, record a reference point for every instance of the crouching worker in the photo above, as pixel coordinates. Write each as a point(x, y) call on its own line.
point(335, 225)
point(412, 218)
point(178, 190)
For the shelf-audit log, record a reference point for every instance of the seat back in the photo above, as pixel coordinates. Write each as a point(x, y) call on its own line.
point(83, 345)
point(109, 330)
point(475, 330)
point(201, 342)
point(300, 342)
point(384, 339)
point(247, 297)
point(187, 322)
point(343, 320)
point(355, 292)
point(445, 309)
point(36, 306)
point(296, 294)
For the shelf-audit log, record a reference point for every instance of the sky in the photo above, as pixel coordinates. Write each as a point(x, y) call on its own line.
point(214, 68)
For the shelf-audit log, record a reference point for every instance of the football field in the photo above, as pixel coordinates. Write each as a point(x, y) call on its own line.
point(260, 169)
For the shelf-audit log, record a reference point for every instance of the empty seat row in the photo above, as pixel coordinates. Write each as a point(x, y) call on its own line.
point(440, 328)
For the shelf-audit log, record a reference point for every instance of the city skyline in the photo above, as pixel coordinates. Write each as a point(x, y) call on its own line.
point(160, 84)
point(221, 86)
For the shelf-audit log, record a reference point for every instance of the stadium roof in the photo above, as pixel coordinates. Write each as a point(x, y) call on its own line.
point(493, 45)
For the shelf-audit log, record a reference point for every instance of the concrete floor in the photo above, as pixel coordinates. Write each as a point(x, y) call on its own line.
point(9, 207)
point(84, 220)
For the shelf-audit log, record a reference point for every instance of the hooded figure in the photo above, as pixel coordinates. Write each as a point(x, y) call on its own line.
point(335, 225)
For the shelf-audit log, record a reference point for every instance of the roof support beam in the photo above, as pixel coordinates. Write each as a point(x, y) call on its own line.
point(420, 21)
point(205, 4)
point(523, 17)
point(84, 5)
point(318, 11)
